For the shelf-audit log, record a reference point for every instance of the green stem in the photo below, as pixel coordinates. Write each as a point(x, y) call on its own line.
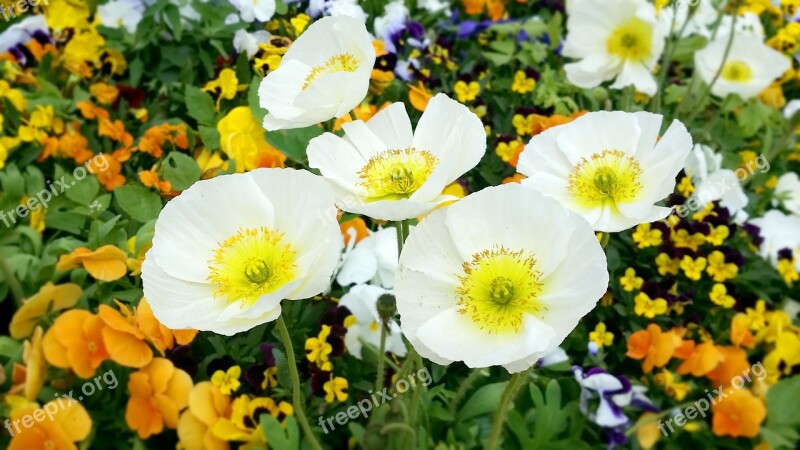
point(296, 400)
point(466, 385)
point(506, 401)
point(397, 426)
point(382, 354)
point(373, 349)
point(627, 98)
point(11, 280)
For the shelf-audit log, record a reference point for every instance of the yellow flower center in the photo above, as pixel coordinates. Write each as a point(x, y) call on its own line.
point(632, 40)
point(396, 174)
point(251, 263)
point(343, 62)
point(737, 72)
point(608, 178)
point(498, 288)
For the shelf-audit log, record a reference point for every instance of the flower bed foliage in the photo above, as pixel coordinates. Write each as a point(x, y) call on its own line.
point(595, 206)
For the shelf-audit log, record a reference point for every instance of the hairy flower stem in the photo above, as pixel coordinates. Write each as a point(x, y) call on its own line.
point(296, 399)
point(516, 382)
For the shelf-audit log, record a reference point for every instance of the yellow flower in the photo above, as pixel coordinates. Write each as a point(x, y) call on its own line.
point(523, 124)
point(228, 381)
point(646, 307)
point(225, 86)
point(299, 23)
point(244, 421)
point(104, 93)
point(718, 235)
point(784, 357)
point(672, 388)
point(719, 295)
point(466, 92)
point(630, 281)
point(70, 424)
point(645, 237)
point(522, 84)
point(336, 388)
point(756, 316)
point(508, 151)
point(242, 139)
point(83, 51)
point(318, 349)
point(12, 95)
point(7, 143)
point(667, 265)
point(49, 298)
point(718, 269)
point(61, 14)
point(107, 263)
point(693, 268)
point(207, 406)
point(683, 239)
point(600, 336)
point(685, 187)
point(787, 270)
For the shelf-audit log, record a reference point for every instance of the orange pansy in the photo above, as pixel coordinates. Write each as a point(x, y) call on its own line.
point(70, 423)
point(123, 340)
point(75, 341)
point(354, 228)
point(734, 364)
point(740, 331)
point(738, 415)
point(702, 359)
point(653, 345)
point(107, 263)
point(159, 392)
point(50, 297)
point(104, 93)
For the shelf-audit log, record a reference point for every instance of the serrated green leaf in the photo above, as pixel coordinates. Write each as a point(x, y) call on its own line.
point(138, 202)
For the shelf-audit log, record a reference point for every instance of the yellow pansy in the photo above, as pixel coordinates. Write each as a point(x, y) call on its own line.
point(630, 281)
point(649, 308)
point(601, 336)
point(719, 295)
point(693, 268)
point(227, 381)
point(466, 92)
point(645, 236)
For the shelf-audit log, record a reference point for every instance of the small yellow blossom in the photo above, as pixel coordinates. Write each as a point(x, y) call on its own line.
point(719, 270)
point(649, 308)
point(718, 235)
point(667, 265)
point(630, 281)
point(318, 349)
point(522, 84)
point(683, 239)
point(693, 268)
point(685, 187)
point(600, 336)
point(645, 236)
point(228, 381)
point(719, 295)
point(335, 388)
point(466, 92)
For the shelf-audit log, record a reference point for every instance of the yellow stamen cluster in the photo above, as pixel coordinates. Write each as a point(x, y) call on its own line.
point(737, 72)
point(608, 178)
point(498, 288)
point(396, 174)
point(343, 62)
point(251, 263)
point(632, 40)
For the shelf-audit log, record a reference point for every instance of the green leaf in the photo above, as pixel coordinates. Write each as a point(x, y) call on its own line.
point(281, 8)
point(783, 414)
point(181, 170)
point(253, 100)
point(293, 143)
point(199, 105)
point(135, 70)
point(282, 365)
point(210, 137)
point(483, 401)
point(138, 202)
point(84, 191)
point(280, 438)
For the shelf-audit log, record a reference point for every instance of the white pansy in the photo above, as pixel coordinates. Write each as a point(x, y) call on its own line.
point(252, 10)
point(787, 192)
point(779, 231)
point(227, 250)
point(490, 281)
point(248, 42)
point(620, 39)
point(610, 167)
point(791, 108)
point(749, 68)
point(323, 75)
point(713, 183)
point(362, 301)
point(372, 260)
point(394, 18)
point(383, 170)
point(121, 13)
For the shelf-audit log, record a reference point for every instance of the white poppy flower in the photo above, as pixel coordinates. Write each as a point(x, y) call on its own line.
point(500, 277)
point(362, 301)
point(229, 249)
point(620, 39)
point(383, 170)
point(324, 74)
point(749, 68)
point(610, 167)
point(747, 23)
point(252, 10)
point(787, 192)
point(373, 260)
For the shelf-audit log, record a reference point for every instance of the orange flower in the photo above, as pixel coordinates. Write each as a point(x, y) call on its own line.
point(738, 415)
point(75, 146)
point(495, 8)
point(70, 423)
point(124, 341)
point(149, 178)
point(30, 378)
point(740, 331)
point(109, 176)
point(115, 130)
point(418, 96)
point(653, 345)
point(75, 341)
point(363, 112)
point(104, 93)
point(207, 405)
point(156, 136)
point(702, 359)
point(107, 263)
point(159, 392)
point(160, 336)
point(90, 111)
point(49, 298)
point(354, 228)
point(734, 364)
point(516, 178)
